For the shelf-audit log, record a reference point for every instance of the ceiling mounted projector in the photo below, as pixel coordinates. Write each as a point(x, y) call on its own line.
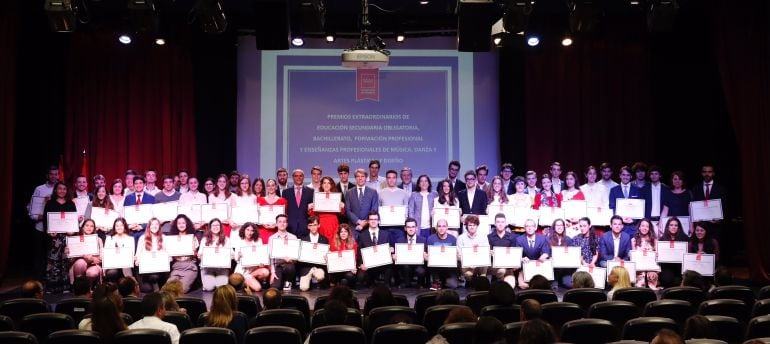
point(368, 52)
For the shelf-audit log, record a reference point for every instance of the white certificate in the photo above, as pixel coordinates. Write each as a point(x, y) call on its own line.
point(485, 224)
point(192, 211)
point(165, 212)
point(81, 203)
point(629, 207)
point(410, 254)
point(313, 252)
point(521, 215)
point(104, 217)
point(267, 213)
point(179, 245)
point(685, 220)
point(285, 248)
point(566, 256)
point(242, 214)
point(38, 205)
point(63, 222)
point(254, 255)
point(442, 256)
point(509, 210)
point(155, 261)
point(475, 257)
point(599, 216)
point(644, 259)
point(117, 258)
point(507, 257)
point(212, 211)
point(599, 275)
point(327, 202)
point(706, 210)
point(216, 257)
point(536, 267)
point(700, 263)
point(451, 215)
point(341, 261)
point(81, 245)
point(550, 214)
point(136, 214)
point(374, 256)
point(574, 209)
point(630, 267)
point(392, 215)
point(671, 251)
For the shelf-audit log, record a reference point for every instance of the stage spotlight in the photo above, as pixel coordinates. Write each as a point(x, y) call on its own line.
point(424, 2)
point(566, 41)
point(533, 40)
point(124, 38)
point(516, 15)
point(661, 15)
point(210, 16)
point(330, 38)
point(143, 16)
point(297, 41)
point(400, 37)
point(62, 15)
point(160, 41)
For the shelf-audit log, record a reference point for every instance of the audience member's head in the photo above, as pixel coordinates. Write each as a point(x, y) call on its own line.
point(169, 302)
point(697, 326)
point(537, 332)
point(619, 278)
point(582, 279)
point(272, 299)
point(666, 336)
point(174, 287)
point(223, 304)
point(539, 282)
point(722, 277)
point(530, 310)
point(81, 287)
point(480, 283)
point(693, 279)
point(488, 330)
point(32, 289)
point(381, 296)
point(335, 312)
point(447, 297)
point(460, 314)
point(105, 318)
point(501, 294)
point(110, 291)
point(127, 287)
point(152, 305)
point(238, 283)
point(344, 295)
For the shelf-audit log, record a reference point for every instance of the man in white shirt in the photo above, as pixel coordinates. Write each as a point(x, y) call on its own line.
point(37, 202)
point(654, 193)
point(154, 310)
point(532, 189)
point(81, 187)
point(315, 178)
point(284, 270)
point(375, 181)
point(151, 177)
point(393, 196)
point(471, 239)
point(606, 171)
point(129, 178)
point(406, 181)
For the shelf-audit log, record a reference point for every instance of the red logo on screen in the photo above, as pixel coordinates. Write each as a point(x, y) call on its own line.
point(368, 84)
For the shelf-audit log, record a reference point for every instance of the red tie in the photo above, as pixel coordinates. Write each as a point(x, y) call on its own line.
point(139, 199)
point(297, 195)
point(708, 190)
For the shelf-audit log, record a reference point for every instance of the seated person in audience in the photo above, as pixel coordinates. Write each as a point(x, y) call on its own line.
point(471, 238)
point(457, 315)
point(128, 287)
point(373, 236)
point(409, 272)
point(154, 310)
point(501, 294)
point(479, 283)
point(582, 279)
point(447, 297)
point(722, 277)
point(530, 310)
point(335, 313)
point(224, 305)
point(618, 279)
point(345, 295)
point(32, 289)
point(539, 282)
point(615, 244)
point(169, 301)
point(82, 287)
point(534, 247)
point(104, 319)
point(307, 271)
point(283, 270)
point(693, 279)
point(381, 297)
point(501, 237)
point(442, 277)
point(666, 336)
point(174, 287)
point(697, 327)
point(238, 283)
point(489, 330)
point(272, 298)
point(537, 332)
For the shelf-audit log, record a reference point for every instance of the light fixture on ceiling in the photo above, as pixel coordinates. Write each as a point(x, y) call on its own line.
point(369, 52)
point(62, 15)
point(124, 38)
point(297, 41)
point(210, 16)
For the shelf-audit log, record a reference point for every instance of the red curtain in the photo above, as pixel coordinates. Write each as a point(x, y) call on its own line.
point(129, 106)
point(742, 45)
point(8, 43)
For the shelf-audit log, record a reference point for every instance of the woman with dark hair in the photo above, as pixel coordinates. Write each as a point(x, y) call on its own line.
point(184, 268)
point(102, 201)
point(546, 198)
point(253, 275)
point(381, 297)
point(89, 265)
point(673, 231)
point(105, 319)
point(149, 243)
point(270, 198)
point(222, 194)
point(328, 222)
point(343, 241)
point(209, 185)
point(670, 274)
point(120, 239)
point(587, 242)
point(446, 198)
point(644, 240)
point(702, 241)
point(676, 202)
point(56, 272)
point(116, 195)
point(558, 238)
point(421, 205)
point(258, 187)
point(214, 237)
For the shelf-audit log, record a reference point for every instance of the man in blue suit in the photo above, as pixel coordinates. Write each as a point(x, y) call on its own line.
point(138, 197)
point(534, 247)
point(373, 236)
point(625, 190)
point(615, 244)
point(359, 202)
point(654, 193)
point(296, 207)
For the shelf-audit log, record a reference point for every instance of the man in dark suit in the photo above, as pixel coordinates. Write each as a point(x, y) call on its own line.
point(607, 243)
point(654, 193)
point(138, 197)
point(373, 236)
point(407, 184)
point(408, 272)
point(625, 190)
point(296, 208)
point(308, 271)
point(709, 189)
point(360, 201)
point(534, 247)
point(472, 199)
point(454, 169)
point(282, 179)
point(343, 171)
point(506, 172)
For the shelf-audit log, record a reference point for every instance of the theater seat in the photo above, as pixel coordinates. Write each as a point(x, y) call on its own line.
point(273, 334)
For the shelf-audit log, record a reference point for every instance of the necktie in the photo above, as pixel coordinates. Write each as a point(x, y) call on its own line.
point(625, 191)
point(531, 244)
point(298, 194)
point(138, 199)
point(708, 190)
point(360, 194)
point(411, 240)
point(374, 237)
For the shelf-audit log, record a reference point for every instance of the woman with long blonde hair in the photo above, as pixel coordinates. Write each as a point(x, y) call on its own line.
point(618, 279)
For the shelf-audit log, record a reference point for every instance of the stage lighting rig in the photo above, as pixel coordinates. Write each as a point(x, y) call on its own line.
point(369, 51)
point(210, 16)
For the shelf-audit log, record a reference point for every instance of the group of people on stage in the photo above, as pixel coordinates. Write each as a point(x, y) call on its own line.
point(355, 224)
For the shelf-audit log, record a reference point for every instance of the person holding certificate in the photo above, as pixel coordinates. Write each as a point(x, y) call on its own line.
point(546, 198)
point(328, 221)
point(214, 237)
point(472, 199)
point(446, 198)
point(373, 236)
point(193, 197)
point(677, 201)
point(471, 239)
point(119, 239)
point(137, 198)
point(534, 246)
point(670, 273)
point(56, 272)
point(102, 201)
point(407, 273)
point(184, 268)
point(615, 244)
point(520, 200)
point(702, 242)
point(558, 239)
point(253, 276)
point(625, 190)
point(244, 197)
point(116, 195)
point(283, 270)
point(167, 194)
point(645, 240)
point(343, 241)
point(442, 277)
point(421, 205)
point(587, 242)
point(500, 237)
point(149, 243)
point(308, 271)
point(361, 200)
point(87, 265)
point(391, 195)
point(271, 198)
point(222, 194)
point(596, 194)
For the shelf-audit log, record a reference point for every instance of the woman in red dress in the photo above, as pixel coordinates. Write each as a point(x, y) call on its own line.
point(329, 222)
point(265, 231)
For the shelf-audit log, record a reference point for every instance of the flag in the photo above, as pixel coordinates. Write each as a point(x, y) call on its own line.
point(61, 168)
